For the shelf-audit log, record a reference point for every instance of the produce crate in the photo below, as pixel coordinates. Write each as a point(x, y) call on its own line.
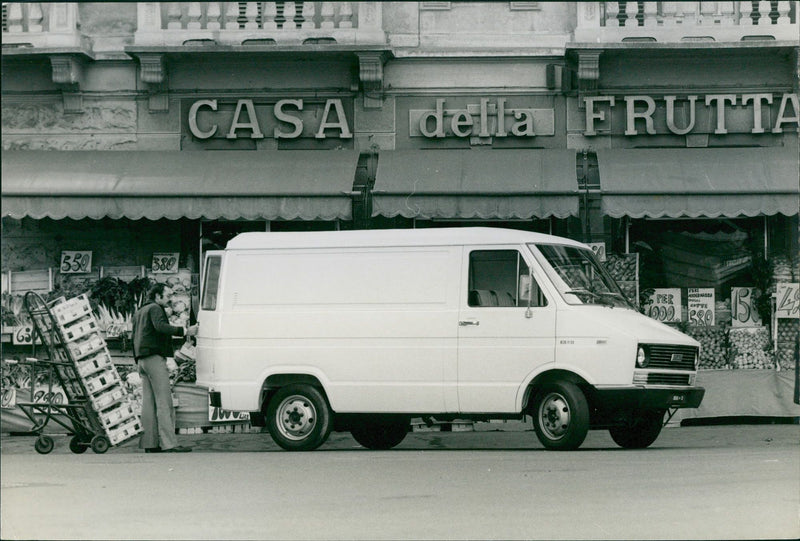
point(84, 348)
point(107, 399)
point(102, 381)
point(68, 311)
point(118, 415)
point(96, 363)
point(714, 350)
point(122, 432)
point(80, 328)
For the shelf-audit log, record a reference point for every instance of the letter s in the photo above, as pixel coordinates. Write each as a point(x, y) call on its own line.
point(293, 120)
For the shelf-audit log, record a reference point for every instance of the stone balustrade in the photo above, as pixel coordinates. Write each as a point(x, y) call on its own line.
point(259, 23)
point(40, 24)
point(610, 22)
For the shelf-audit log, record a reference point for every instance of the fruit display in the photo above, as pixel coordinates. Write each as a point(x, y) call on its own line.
point(179, 309)
point(750, 348)
point(622, 267)
point(781, 271)
point(714, 351)
point(788, 343)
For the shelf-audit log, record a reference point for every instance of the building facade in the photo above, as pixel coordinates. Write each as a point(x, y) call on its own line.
point(138, 132)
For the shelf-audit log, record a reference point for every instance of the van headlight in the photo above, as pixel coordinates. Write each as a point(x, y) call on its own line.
point(641, 358)
point(697, 359)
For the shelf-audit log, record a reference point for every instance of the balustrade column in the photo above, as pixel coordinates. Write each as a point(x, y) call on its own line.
point(763, 13)
point(631, 10)
point(213, 16)
point(612, 14)
point(35, 17)
point(746, 13)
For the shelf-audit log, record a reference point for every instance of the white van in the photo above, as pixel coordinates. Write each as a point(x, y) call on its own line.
point(362, 331)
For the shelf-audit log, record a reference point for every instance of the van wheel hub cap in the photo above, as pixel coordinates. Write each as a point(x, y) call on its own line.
point(296, 417)
point(554, 415)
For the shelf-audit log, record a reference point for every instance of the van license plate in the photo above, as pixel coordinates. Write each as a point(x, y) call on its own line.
point(678, 399)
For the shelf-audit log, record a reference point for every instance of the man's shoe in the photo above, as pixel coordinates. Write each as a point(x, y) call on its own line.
point(178, 449)
point(153, 450)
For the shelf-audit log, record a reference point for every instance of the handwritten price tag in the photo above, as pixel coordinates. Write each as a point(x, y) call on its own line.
point(599, 249)
point(165, 263)
point(700, 303)
point(787, 301)
point(75, 262)
point(666, 305)
point(743, 307)
point(23, 335)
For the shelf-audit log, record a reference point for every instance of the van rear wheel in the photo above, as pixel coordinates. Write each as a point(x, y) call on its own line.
point(380, 434)
point(641, 432)
point(298, 418)
point(560, 416)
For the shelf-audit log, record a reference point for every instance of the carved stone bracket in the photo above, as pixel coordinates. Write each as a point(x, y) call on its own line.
point(588, 71)
point(153, 73)
point(370, 73)
point(68, 76)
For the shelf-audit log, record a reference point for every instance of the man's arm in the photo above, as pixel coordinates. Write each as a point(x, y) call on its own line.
point(161, 323)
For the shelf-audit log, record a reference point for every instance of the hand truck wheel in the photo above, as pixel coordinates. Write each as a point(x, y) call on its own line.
point(100, 444)
point(78, 445)
point(44, 444)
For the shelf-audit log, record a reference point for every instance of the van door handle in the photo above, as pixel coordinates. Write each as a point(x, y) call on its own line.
point(466, 322)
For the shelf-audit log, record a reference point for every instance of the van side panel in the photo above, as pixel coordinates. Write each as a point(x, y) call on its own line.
point(377, 325)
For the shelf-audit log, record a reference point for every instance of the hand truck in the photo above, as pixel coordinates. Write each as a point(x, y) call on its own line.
point(97, 411)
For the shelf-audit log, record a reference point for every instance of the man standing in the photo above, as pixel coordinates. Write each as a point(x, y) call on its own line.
point(152, 344)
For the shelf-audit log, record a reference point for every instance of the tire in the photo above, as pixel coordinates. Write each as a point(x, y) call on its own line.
point(560, 416)
point(641, 432)
point(100, 444)
point(381, 434)
point(298, 418)
point(77, 445)
point(44, 444)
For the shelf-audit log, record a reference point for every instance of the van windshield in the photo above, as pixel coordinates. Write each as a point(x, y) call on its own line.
point(580, 278)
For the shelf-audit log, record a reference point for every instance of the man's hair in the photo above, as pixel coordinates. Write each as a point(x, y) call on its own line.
point(156, 289)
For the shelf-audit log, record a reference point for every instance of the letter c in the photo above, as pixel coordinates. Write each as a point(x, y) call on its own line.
point(193, 119)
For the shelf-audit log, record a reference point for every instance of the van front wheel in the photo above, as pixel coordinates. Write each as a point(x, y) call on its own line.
point(560, 416)
point(298, 418)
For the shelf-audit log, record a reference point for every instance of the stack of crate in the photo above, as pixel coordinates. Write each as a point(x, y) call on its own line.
point(104, 387)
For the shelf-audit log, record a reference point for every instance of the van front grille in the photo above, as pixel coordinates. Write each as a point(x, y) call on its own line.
point(671, 357)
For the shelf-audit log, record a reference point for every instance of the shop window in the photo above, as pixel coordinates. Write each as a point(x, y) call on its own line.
point(500, 278)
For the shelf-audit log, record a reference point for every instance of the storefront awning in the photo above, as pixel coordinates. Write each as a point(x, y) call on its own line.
point(265, 185)
point(692, 183)
point(484, 184)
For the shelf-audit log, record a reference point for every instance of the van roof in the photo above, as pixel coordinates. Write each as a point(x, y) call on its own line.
point(445, 236)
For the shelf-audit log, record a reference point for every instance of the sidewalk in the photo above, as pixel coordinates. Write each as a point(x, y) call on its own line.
point(516, 437)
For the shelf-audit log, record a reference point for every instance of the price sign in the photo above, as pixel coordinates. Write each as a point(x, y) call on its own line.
point(599, 249)
point(666, 305)
point(22, 336)
point(700, 303)
point(75, 262)
point(787, 301)
point(165, 263)
point(743, 307)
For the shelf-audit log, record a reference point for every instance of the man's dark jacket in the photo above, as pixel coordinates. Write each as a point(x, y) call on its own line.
point(152, 333)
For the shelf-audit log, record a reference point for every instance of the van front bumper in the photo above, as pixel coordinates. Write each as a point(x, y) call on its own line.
point(648, 397)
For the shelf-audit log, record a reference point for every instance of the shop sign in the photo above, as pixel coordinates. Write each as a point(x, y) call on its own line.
point(165, 263)
point(218, 415)
point(640, 111)
point(743, 307)
point(287, 118)
point(787, 301)
point(486, 118)
point(700, 304)
point(75, 262)
point(665, 305)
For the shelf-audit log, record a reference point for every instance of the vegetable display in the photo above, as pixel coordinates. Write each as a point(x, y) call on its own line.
point(749, 348)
